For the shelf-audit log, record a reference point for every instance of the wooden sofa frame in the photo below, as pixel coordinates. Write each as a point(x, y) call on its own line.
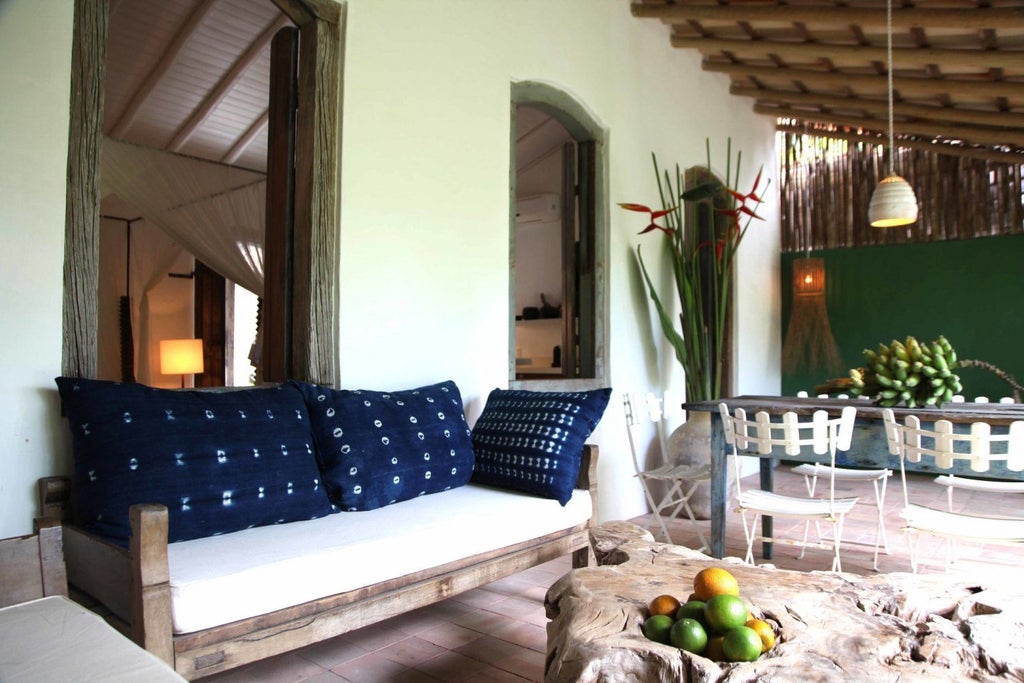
point(134, 585)
point(33, 566)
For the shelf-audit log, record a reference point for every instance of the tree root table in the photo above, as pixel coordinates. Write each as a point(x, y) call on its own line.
point(831, 627)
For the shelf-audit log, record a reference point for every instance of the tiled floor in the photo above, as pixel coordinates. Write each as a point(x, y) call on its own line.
point(497, 632)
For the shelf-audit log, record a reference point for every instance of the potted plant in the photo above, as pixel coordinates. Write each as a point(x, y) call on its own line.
point(702, 223)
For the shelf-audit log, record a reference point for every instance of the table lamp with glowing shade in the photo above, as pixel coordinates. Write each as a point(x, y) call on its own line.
point(181, 357)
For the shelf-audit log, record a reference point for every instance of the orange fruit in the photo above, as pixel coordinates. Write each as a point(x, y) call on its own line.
point(657, 628)
point(764, 630)
point(688, 634)
point(723, 613)
point(741, 644)
point(714, 581)
point(713, 650)
point(663, 604)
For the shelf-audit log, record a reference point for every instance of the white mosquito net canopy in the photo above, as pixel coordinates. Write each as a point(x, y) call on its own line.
point(213, 210)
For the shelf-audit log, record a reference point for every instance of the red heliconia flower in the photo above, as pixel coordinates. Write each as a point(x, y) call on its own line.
point(653, 214)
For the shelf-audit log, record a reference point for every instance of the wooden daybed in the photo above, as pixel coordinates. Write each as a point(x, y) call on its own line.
point(134, 585)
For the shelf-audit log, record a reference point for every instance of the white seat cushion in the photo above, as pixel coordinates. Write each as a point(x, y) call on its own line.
point(221, 579)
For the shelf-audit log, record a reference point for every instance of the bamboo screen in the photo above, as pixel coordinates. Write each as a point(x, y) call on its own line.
point(827, 185)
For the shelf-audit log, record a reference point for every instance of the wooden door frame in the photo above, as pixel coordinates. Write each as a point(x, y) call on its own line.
point(317, 178)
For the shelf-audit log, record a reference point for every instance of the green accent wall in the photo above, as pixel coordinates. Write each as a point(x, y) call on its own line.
point(971, 291)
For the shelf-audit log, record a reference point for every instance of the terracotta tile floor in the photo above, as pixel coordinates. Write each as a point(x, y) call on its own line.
point(497, 632)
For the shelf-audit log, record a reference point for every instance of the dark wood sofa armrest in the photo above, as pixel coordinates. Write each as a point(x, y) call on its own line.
point(151, 589)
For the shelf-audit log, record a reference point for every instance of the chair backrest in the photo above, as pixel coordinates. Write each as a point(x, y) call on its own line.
point(640, 410)
point(761, 435)
point(978, 446)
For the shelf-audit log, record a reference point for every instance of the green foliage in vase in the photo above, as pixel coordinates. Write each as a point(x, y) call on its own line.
point(702, 285)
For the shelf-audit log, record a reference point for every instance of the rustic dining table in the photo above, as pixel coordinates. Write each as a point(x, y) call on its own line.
point(870, 448)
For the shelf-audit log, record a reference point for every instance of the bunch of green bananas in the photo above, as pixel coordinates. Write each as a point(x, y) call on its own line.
point(919, 374)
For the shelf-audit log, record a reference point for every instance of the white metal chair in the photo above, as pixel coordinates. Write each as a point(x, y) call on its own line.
point(758, 437)
point(878, 478)
point(681, 480)
point(978, 447)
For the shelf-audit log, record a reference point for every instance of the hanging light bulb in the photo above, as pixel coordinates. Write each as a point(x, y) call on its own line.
point(893, 202)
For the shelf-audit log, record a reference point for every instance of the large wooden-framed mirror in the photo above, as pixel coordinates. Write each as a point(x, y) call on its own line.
point(313, 299)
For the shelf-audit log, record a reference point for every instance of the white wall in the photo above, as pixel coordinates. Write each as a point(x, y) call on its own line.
point(425, 204)
point(424, 246)
point(35, 58)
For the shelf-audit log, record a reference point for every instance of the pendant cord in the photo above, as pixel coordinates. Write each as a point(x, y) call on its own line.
point(888, 56)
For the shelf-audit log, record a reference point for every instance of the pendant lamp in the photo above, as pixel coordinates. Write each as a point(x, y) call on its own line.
point(893, 204)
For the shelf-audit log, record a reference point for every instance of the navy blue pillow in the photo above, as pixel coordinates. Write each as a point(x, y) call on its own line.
point(219, 461)
point(377, 448)
point(533, 440)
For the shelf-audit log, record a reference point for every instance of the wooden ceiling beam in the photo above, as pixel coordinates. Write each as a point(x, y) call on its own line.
point(227, 84)
point(247, 138)
point(881, 108)
point(912, 56)
point(152, 80)
point(974, 19)
point(906, 86)
point(984, 153)
point(968, 134)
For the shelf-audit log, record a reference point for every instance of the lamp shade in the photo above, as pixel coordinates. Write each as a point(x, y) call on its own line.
point(893, 203)
point(181, 356)
point(809, 277)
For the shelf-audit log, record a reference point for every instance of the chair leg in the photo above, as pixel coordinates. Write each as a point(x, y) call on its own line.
point(837, 536)
point(704, 545)
point(749, 532)
point(912, 544)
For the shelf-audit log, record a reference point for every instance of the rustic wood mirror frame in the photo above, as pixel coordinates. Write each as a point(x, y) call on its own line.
point(321, 26)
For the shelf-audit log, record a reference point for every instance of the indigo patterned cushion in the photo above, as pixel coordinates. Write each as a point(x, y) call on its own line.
point(533, 440)
point(219, 461)
point(378, 448)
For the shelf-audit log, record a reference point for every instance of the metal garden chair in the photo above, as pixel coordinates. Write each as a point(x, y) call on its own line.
point(759, 437)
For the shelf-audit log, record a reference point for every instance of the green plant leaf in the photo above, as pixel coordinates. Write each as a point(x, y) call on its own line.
point(667, 324)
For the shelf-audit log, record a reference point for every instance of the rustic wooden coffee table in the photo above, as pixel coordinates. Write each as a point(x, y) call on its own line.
point(832, 627)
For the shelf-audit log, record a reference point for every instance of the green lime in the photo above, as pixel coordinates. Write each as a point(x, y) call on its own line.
point(688, 634)
point(694, 609)
point(724, 612)
point(657, 628)
point(742, 644)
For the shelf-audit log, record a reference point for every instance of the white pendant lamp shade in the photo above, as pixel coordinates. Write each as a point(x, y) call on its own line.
point(893, 204)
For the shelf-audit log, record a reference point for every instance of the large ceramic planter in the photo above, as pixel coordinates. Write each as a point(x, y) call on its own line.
point(690, 444)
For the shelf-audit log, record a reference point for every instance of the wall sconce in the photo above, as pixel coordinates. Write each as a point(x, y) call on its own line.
point(181, 357)
point(809, 345)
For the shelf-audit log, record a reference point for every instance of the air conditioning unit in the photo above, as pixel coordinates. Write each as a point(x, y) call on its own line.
point(538, 208)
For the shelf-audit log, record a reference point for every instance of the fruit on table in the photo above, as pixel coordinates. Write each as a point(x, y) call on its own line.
point(764, 630)
point(714, 581)
point(741, 644)
point(688, 634)
point(657, 628)
point(723, 613)
point(663, 604)
point(694, 609)
point(911, 372)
